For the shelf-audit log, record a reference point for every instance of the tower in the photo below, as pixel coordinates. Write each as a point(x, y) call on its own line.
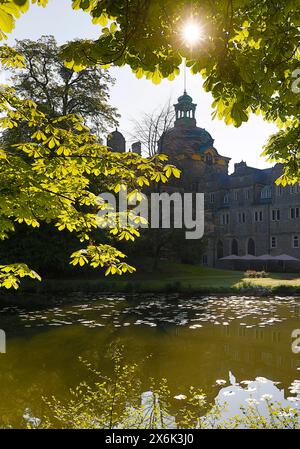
point(190, 147)
point(116, 141)
point(185, 111)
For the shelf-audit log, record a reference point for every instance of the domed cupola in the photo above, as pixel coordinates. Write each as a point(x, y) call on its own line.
point(185, 98)
point(185, 111)
point(116, 141)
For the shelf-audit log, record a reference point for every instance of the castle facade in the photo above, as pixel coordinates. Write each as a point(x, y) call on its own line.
point(246, 213)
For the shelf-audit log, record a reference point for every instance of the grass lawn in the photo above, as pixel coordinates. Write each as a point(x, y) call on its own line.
point(175, 277)
point(197, 277)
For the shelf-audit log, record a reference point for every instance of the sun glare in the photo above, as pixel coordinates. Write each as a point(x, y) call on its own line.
point(191, 32)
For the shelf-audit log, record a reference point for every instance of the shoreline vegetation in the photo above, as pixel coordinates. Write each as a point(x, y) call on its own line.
point(169, 278)
point(111, 402)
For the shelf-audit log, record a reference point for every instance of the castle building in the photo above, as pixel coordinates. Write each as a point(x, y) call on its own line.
point(246, 213)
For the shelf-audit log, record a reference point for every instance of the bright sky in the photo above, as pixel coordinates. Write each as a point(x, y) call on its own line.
point(132, 96)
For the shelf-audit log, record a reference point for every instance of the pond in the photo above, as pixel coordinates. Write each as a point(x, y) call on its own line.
point(234, 348)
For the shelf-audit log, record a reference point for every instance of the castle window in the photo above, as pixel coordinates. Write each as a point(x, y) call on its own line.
point(266, 193)
point(226, 198)
point(294, 189)
point(247, 194)
point(295, 241)
point(279, 190)
point(236, 195)
point(204, 259)
point(225, 219)
point(273, 242)
point(211, 197)
point(241, 217)
point(276, 215)
point(294, 213)
point(258, 216)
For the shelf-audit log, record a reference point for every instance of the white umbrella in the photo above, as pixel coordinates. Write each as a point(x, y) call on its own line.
point(232, 257)
point(286, 257)
point(248, 257)
point(266, 257)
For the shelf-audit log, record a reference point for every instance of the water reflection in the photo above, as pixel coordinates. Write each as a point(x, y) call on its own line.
point(192, 341)
point(256, 392)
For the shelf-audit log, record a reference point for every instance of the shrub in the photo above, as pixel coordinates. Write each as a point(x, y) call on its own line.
point(255, 274)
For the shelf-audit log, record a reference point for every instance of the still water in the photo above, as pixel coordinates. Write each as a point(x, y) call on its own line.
point(234, 348)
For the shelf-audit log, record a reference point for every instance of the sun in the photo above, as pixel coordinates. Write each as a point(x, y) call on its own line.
point(191, 32)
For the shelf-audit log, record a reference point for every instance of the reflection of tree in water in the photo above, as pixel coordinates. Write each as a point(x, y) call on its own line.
point(192, 341)
point(117, 402)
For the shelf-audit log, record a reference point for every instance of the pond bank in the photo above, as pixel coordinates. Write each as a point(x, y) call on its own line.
point(171, 278)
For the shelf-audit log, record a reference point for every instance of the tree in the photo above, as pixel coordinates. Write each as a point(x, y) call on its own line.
point(155, 243)
point(152, 127)
point(45, 250)
point(47, 178)
point(58, 90)
point(169, 244)
point(249, 55)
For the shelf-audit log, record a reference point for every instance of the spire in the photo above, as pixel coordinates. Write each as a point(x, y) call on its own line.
point(185, 111)
point(184, 73)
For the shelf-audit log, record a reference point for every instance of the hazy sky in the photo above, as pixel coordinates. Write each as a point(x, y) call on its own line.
point(133, 96)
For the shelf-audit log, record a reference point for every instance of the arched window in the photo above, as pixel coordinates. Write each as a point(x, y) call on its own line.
point(220, 249)
point(234, 247)
point(251, 247)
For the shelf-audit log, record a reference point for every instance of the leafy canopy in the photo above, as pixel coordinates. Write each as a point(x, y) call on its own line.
point(248, 55)
point(48, 178)
point(58, 90)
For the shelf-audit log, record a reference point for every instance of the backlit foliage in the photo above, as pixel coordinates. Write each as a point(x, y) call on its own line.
point(48, 179)
point(247, 58)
